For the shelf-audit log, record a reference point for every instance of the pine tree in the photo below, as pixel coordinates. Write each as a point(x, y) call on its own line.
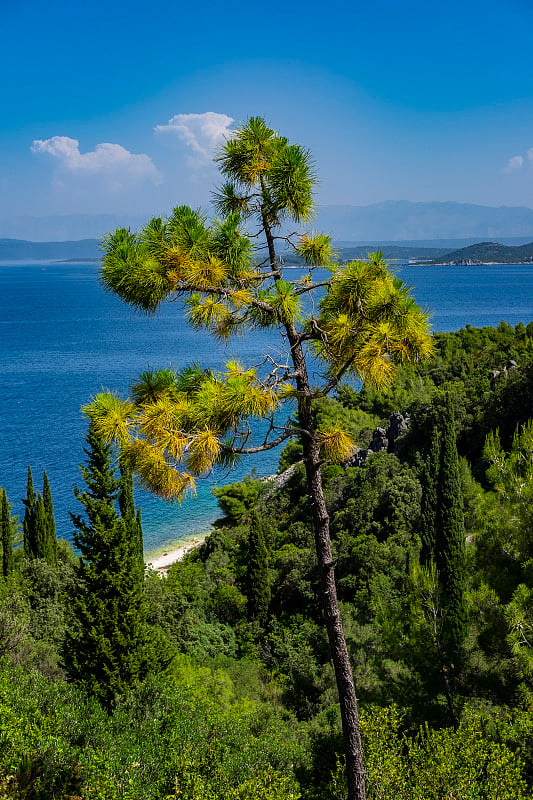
point(257, 578)
point(49, 539)
point(107, 648)
point(28, 523)
point(450, 546)
point(6, 535)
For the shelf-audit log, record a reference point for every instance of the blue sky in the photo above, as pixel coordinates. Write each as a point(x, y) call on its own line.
point(104, 106)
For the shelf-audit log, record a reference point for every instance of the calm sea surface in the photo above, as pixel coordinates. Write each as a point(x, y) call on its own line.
point(62, 339)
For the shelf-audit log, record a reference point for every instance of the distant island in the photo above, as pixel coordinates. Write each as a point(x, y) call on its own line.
point(484, 253)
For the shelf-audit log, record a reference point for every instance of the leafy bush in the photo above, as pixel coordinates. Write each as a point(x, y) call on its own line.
point(463, 764)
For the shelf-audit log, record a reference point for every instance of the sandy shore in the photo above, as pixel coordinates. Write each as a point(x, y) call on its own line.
point(162, 562)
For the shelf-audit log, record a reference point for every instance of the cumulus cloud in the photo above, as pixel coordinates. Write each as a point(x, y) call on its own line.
point(108, 160)
point(202, 133)
point(514, 163)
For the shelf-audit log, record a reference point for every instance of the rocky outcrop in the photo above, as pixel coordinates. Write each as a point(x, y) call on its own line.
point(380, 440)
point(383, 439)
point(498, 374)
point(276, 482)
point(398, 425)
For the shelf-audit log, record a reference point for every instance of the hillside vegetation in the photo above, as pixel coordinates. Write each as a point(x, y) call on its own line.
point(240, 699)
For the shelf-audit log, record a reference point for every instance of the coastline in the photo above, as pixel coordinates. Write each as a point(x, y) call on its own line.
point(164, 557)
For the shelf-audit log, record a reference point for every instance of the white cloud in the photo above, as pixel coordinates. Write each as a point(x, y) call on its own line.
point(202, 133)
point(109, 160)
point(514, 163)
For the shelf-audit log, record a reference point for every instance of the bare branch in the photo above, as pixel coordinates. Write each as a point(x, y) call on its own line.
point(311, 286)
point(262, 447)
point(335, 380)
point(262, 276)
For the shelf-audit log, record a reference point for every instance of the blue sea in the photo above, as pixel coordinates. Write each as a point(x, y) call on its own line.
point(62, 338)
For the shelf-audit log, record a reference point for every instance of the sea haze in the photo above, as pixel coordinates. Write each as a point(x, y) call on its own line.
point(62, 339)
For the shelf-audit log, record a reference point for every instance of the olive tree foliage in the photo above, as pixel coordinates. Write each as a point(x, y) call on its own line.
point(358, 320)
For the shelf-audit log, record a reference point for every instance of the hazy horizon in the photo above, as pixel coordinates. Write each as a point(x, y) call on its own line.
point(119, 111)
point(389, 221)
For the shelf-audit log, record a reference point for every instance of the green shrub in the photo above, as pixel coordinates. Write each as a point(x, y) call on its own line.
point(463, 764)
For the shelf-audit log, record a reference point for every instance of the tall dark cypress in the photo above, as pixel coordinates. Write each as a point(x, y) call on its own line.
point(2, 518)
point(140, 537)
point(28, 523)
point(6, 536)
point(107, 646)
point(428, 509)
point(258, 586)
point(50, 541)
point(450, 546)
point(126, 504)
point(40, 528)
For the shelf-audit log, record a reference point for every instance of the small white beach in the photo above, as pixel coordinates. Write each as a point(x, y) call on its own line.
point(163, 558)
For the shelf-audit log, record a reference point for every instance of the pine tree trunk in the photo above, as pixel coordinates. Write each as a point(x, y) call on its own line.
point(355, 776)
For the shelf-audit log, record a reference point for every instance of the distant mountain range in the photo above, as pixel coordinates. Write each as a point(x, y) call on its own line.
point(71, 227)
point(400, 221)
point(385, 223)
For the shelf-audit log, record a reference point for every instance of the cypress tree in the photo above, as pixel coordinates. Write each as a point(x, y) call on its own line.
point(2, 517)
point(50, 541)
point(258, 586)
point(6, 535)
point(107, 648)
point(450, 547)
point(38, 523)
point(126, 504)
point(40, 528)
point(140, 536)
point(28, 523)
point(428, 506)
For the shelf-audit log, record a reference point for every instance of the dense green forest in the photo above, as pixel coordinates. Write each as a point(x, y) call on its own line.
point(216, 680)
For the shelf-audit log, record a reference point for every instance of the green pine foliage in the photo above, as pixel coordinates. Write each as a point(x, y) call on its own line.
point(107, 648)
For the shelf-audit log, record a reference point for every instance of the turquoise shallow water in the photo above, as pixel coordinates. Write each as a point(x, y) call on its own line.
point(62, 338)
